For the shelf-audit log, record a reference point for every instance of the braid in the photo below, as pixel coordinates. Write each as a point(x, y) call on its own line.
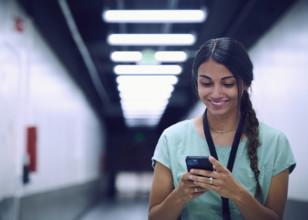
point(251, 129)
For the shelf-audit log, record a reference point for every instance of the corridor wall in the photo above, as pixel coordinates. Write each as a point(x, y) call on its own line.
point(36, 91)
point(280, 90)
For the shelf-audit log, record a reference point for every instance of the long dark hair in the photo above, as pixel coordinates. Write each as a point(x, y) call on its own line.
point(233, 55)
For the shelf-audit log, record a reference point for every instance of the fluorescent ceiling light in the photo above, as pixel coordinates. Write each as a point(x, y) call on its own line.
point(154, 114)
point(145, 95)
point(137, 108)
point(143, 108)
point(159, 56)
point(144, 98)
point(154, 16)
point(146, 122)
point(148, 69)
point(170, 56)
point(126, 56)
point(147, 113)
point(151, 39)
point(133, 88)
point(144, 105)
point(136, 116)
point(147, 80)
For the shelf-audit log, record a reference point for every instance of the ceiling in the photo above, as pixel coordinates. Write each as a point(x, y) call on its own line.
point(245, 20)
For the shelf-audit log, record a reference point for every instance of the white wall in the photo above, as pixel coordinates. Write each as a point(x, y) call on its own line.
point(279, 91)
point(36, 90)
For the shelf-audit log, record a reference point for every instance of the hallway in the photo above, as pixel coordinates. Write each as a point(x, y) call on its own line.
point(67, 143)
point(128, 209)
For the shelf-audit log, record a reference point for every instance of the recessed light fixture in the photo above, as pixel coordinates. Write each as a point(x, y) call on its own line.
point(143, 114)
point(151, 39)
point(126, 56)
point(148, 69)
point(127, 115)
point(132, 88)
point(170, 56)
point(147, 81)
point(145, 88)
point(145, 95)
point(141, 122)
point(158, 56)
point(144, 105)
point(154, 16)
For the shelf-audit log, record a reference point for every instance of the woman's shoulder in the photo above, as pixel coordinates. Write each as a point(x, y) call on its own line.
point(276, 146)
point(270, 132)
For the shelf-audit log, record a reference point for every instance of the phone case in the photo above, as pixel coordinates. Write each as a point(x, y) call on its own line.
point(199, 162)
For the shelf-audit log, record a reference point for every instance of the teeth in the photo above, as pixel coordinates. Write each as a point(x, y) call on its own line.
point(217, 103)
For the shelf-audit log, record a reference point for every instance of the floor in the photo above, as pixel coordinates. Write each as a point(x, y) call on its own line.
point(119, 209)
point(131, 202)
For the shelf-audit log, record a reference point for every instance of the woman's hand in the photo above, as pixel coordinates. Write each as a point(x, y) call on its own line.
point(220, 181)
point(187, 189)
point(165, 201)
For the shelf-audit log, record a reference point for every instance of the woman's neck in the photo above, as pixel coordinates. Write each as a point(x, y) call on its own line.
point(223, 123)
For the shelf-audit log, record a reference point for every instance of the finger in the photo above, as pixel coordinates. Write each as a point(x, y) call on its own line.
point(189, 184)
point(206, 173)
point(187, 180)
point(185, 176)
point(197, 189)
point(207, 181)
point(195, 195)
point(207, 186)
point(202, 179)
point(218, 166)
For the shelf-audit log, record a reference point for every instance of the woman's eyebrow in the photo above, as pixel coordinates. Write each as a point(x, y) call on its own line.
point(227, 77)
point(224, 78)
point(205, 76)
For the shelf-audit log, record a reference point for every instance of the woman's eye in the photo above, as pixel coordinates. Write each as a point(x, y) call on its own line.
point(206, 84)
point(229, 85)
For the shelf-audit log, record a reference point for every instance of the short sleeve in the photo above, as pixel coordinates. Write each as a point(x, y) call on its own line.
point(161, 153)
point(284, 156)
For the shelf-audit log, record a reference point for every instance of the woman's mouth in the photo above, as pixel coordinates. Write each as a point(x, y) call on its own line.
point(218, 104)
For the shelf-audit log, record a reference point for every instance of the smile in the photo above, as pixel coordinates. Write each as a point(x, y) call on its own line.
point(219, 104)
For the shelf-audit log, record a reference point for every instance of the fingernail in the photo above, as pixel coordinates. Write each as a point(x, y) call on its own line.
point(190, 177)
point(192, 170)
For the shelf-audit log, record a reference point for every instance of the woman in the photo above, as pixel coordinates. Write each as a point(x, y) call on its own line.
point(256, 185)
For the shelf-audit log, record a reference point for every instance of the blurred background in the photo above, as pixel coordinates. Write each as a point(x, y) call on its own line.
point(87, 87)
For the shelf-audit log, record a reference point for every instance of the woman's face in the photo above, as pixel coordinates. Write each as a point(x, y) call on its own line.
point(217, 89)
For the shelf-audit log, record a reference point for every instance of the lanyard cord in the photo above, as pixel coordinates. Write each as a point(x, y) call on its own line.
point(236, 141)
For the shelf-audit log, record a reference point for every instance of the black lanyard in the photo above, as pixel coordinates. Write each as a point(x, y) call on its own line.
point(236, 141)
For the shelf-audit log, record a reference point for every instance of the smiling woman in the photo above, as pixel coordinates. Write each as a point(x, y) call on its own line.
point(252, 161)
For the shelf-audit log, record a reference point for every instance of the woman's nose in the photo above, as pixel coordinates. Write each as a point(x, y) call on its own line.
point(216, 92)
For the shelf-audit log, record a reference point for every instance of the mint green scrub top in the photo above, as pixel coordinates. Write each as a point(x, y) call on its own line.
point(182, 139)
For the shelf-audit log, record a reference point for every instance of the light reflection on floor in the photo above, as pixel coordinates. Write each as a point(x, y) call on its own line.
point(119, 209)
point(131, 202)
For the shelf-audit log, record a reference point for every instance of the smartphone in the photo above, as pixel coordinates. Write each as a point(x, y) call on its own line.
point(198, 162)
